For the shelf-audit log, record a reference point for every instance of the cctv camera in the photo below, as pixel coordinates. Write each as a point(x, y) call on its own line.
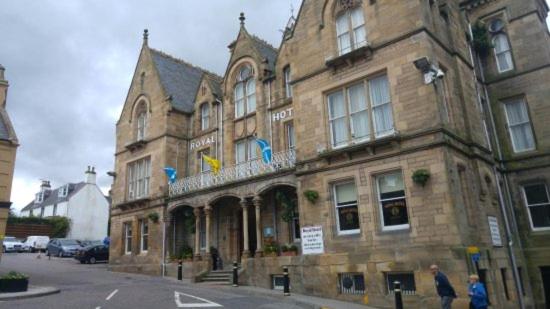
point(439, 73)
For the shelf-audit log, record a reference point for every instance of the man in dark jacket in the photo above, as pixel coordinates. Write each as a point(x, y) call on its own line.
point(444, 288)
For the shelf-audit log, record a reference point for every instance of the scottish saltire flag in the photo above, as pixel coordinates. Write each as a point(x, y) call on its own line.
point(266, 150)
point(171, 173)
point(214, 163)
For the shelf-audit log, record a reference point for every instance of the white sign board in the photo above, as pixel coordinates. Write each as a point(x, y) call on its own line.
point(495, 231)
point(312, 240)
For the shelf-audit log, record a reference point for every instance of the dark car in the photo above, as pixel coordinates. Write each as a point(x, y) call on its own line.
point(86, 243)
point(62, 247)
point(92, 254)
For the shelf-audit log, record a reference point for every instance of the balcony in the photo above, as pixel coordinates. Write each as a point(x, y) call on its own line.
point(280, 161)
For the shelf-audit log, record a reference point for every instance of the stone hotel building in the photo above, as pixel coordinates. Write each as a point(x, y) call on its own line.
point(403, 133)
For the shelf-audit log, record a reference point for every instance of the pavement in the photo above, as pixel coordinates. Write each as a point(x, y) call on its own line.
point(33, 291)
point(93, 286)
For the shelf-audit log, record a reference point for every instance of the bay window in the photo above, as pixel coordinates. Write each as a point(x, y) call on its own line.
point(360, 112)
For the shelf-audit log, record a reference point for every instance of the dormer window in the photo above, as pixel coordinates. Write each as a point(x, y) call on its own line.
point(63, 191)
point(39, 198)
point(350, 30)
point(205, 116)
point(245, 92)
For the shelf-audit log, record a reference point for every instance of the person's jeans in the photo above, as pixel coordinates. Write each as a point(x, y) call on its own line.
point(446, 302)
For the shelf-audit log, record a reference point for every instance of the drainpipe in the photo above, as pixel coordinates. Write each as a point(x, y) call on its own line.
point(164, 246)
point(502, 201)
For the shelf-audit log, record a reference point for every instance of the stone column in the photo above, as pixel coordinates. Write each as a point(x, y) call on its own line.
point(197, 213)
point(246, 249)
point(207, 213)
point(257, 204)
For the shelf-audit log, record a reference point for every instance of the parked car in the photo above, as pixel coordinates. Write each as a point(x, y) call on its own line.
point(37, 243)
point(86, 243)
point(92, 254)
point(12, 244)
point(62, 247)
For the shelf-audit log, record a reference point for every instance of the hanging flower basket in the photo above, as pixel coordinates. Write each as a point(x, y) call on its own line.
point(311, 195)
point(153, 216)
point(421, 176)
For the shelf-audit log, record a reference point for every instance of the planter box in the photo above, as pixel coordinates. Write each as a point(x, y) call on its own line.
point(272, 254)
point(13, 285)
point(289, 253)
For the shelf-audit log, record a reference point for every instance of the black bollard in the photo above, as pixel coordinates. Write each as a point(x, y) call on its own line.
point(286, 282)
point(235, 274)
point(180, 275)
point(397, 292)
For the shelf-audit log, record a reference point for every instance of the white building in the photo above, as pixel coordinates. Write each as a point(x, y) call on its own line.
point(83, 203)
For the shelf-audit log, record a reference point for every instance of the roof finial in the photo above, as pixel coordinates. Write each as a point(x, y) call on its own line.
point(242, 19)
point(145, 36)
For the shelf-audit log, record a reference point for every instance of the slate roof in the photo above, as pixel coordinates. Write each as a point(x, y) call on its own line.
point(266, 50)
point(53, 197)
point(3, 130)
point(215, 83)
point(179, 79)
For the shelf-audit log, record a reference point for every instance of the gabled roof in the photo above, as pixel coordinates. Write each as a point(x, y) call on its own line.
point(180, 80)
point(267, 51)
point(53, 197)
point(215, 83)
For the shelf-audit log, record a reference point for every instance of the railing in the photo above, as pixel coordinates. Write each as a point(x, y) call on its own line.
point(280, 161)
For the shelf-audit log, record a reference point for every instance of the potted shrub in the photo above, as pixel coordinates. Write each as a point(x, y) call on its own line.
point(289, 250)
point(271, 249)
point(187, 254)
point(421, 176)
point(14, 282)
point(153, 216)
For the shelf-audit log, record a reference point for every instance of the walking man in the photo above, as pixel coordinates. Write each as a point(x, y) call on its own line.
point(444, 288)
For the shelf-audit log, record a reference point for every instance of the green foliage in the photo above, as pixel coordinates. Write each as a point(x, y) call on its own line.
point(421, 176)
point(13, 275)
point(289, 248)
point(189, 221)
point(153, 216)
point(289, 206)
point(60, 225)
point(186, 253)
point(271, 247)
point(311, 195)
point(481, 42)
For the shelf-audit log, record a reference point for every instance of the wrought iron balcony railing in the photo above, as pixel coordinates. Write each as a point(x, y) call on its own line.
point(280, 161)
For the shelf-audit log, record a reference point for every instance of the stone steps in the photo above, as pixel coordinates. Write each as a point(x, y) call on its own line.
point(218, 277)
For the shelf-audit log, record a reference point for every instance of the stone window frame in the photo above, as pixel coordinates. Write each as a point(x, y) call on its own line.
point(202, 162)
point(523, 99)
point(527, 206)
point(244, 81)
point(141, 115)
point(333, 199)
point(131, 191)
point(204, 122)
point(127, 239)
point(248, 141)
point(287, 80)
point(345, 11)
point(142, 223)
point(290, 137)
point(370, 109)
point(500, 15)
point(379, 213)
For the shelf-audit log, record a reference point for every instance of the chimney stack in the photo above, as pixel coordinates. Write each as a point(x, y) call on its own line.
point(90, 175)
point(45, 186)
point(3, 88)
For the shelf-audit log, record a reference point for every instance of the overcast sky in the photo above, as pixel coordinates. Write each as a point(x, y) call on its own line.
point(70, 63)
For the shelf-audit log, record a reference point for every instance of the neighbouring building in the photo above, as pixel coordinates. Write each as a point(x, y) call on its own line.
point(403, 133)
point(8, 148)
point(82, 203)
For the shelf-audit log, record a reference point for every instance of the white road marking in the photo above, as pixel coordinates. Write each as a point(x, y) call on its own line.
point(112, 294)
point(205, 303)
point(97, 307)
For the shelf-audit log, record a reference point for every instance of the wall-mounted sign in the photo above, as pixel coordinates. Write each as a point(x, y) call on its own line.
point(495, 231)
point(287, 113)
point(202, 142)
point(312, 240)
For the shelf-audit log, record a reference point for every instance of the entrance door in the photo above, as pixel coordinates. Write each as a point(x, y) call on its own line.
point(545, 274)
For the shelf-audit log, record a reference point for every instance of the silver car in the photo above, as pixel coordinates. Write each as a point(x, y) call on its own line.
point(12, 244)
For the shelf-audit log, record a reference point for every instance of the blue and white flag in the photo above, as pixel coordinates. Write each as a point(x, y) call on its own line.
point(171, 173)
point(266, 150)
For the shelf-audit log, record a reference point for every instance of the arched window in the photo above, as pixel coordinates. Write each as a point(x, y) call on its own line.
point(503, 54)
point(350, 30)
point(141, 123)
point(205, 116)
point(245, 92)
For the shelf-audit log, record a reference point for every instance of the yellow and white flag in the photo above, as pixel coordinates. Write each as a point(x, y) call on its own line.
point(214, 163)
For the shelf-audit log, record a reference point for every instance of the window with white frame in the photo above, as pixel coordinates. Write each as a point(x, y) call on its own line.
point(519, 125)
point(204, 167)
point(139, 173)
point(39, 197)
point(245, 92)
point(143, 235)
point(347, 212)
point(538, 205)
point(291, 141)
point(141, 125)
point(246, 150)
point(205, 116)
point(287, 80)
point(63, 191)
point(355, 109)
point(127, 237)
point(392, 202)
point(503, 53)
point(350, 30)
